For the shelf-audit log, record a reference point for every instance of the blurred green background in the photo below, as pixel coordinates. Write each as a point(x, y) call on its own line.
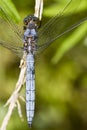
point(61, 74)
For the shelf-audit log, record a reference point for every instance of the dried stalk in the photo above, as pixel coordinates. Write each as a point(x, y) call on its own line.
point(38, 8)
point(13, 101)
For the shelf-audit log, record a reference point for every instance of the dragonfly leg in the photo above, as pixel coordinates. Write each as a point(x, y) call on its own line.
point(25, 45)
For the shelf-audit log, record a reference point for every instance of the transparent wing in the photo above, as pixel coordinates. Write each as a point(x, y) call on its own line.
point(10, 36)
point(70, 18)
point(17, 50)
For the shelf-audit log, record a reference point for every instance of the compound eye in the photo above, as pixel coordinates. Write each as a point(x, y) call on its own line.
point(30, 18)
point(35, 19)
point(25, 21)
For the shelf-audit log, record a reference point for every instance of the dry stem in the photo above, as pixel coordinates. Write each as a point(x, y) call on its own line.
point(13, 100)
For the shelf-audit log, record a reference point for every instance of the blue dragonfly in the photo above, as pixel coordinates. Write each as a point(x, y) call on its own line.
point(33, 41)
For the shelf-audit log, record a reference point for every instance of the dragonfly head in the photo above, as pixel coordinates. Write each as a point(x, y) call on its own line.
point(31, 19)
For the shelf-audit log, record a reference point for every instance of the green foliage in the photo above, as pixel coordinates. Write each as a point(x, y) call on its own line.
point(69, 42)
point(10, 9)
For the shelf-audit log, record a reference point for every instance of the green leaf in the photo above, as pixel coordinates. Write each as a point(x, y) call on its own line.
point(10, 9)
point(70, 42)
point(76, 36)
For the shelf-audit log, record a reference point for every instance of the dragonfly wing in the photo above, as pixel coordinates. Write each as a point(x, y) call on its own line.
point(16, 50)
point(10, 36)
point(62, 23)
point(8, 19)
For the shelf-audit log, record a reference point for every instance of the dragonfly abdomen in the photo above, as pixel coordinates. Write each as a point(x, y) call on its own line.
point(30, 88)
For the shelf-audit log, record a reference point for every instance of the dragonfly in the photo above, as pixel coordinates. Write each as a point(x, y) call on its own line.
point(33, 41)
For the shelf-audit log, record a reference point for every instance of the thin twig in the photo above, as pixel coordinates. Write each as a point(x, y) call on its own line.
point(13, 100)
